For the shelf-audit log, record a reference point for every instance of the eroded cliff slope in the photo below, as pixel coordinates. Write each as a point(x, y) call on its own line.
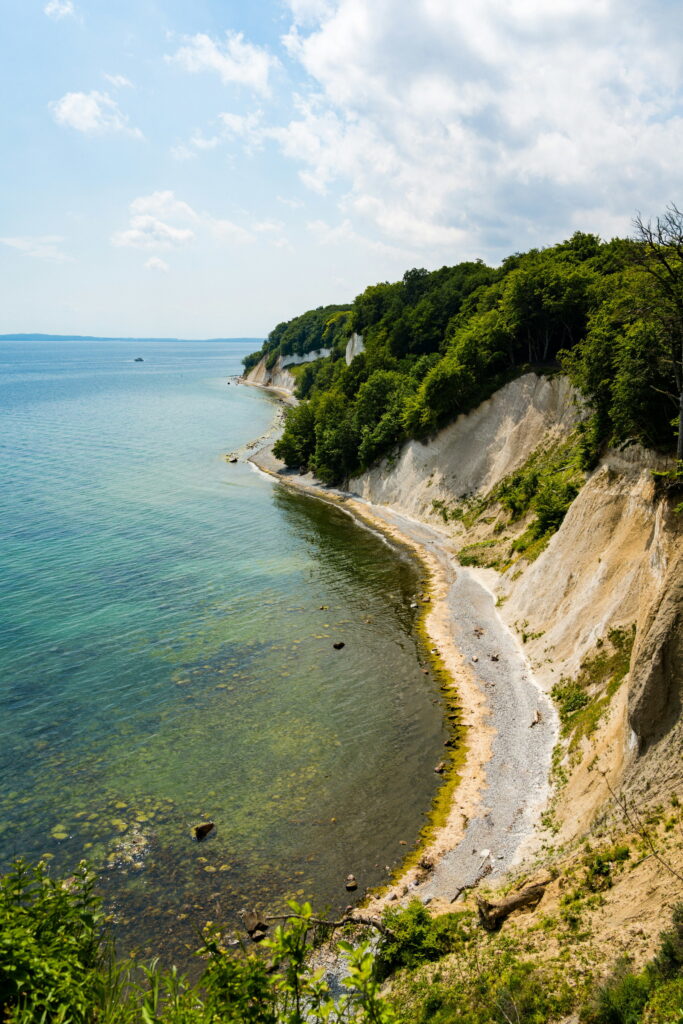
point(598, 602)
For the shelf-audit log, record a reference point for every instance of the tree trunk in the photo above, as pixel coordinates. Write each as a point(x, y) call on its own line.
point(679, 446)
point(492, 915)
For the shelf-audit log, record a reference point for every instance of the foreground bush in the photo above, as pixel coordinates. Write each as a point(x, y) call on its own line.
point(57, 967)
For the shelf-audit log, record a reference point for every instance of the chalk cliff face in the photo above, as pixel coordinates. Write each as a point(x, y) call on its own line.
point(476, 451)
point(278, 376)
point(354, 347)
point(615, 562)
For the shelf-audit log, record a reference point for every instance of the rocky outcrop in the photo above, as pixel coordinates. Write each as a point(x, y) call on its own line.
point(655, 694)
point(278, 376)
point(654, 705)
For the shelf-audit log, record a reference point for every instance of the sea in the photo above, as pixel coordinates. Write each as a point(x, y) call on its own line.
point(167, 622)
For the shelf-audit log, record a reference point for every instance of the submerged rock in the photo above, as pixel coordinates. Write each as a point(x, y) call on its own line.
point(351, 883)
point(338, 645)
point(256, 927)
point(202, 830)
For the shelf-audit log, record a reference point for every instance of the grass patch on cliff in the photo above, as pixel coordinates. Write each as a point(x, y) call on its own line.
point(446, 970)
point(582, 701)
point(539, 492)
point(543, 487)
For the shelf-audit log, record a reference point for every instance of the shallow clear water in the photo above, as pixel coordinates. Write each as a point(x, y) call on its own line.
point(164, 655)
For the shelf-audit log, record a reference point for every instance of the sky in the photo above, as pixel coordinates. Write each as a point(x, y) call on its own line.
point(210, 168)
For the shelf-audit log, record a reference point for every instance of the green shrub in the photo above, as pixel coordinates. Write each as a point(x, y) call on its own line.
point(583, 701)
point(56, 967)
point(414, 936)
point(599, 866)
point(52, 957)
point(669, 959)
point(570, 697)
point(620, 999)
point(666, 1004)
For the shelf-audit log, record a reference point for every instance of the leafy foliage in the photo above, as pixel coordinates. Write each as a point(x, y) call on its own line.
point(51, 956)
point(439, 343)
point(414, 936)
point(318, 328)
point(56, 967)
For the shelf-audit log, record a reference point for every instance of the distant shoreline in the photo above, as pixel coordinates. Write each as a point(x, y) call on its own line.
point(97, 337)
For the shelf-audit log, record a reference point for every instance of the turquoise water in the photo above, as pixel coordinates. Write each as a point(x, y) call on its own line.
point(164, 655)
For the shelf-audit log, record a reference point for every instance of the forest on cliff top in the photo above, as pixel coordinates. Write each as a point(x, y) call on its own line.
point(437, 343)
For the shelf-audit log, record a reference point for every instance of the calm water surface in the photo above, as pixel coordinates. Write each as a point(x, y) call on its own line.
point(164, 655)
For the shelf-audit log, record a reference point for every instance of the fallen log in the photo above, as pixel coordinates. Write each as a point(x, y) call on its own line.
point(492, 915)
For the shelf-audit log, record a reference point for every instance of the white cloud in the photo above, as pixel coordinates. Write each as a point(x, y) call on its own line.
point(59, 9)
point(293, 204)
point(155, 263)
point(93, 113)
point(268, 226)
point(476, 129)
point(235, 61)
point(146, 232)
point(200, 141)
point(42, 247)
point(247, 127)
point(160, 221)
point(182, 152)
point(119, 81)
point(227, 230)
point(163, 204)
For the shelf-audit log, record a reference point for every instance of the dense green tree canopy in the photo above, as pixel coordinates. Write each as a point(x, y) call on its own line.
point(438, 343)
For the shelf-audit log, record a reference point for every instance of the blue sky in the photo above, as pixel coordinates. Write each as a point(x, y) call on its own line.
point(201, 168)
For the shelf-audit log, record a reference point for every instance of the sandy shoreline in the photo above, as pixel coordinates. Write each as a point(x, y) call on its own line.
point(510, 724)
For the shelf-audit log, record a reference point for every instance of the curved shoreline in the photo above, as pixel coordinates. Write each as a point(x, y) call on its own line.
point(510, 723)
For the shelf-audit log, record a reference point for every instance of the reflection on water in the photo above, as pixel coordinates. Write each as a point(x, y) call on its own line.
point(167, 651)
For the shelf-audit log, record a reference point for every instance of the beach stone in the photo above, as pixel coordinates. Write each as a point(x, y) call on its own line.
point(202, 830)
point(440, 768)
point(351, 883)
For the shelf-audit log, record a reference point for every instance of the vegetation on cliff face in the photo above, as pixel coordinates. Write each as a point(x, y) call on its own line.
point(438, 343)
